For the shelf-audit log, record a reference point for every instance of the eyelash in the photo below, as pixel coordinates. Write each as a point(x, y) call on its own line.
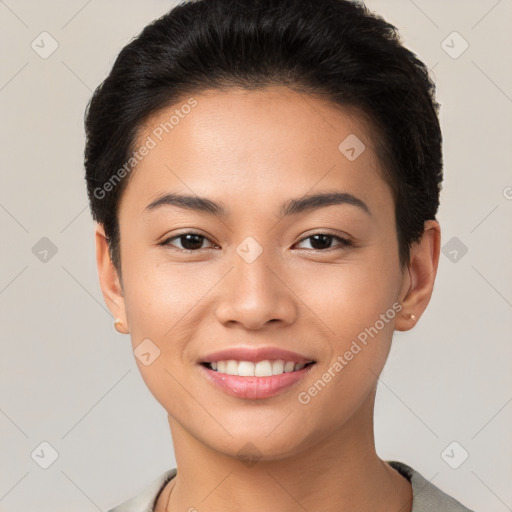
point(343, 242)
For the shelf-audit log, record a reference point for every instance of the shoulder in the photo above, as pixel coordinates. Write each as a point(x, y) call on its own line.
point(144, 501)
point(426, 496)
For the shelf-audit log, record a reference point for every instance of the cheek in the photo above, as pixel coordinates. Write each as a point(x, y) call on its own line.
point(353, 305)
point(157, 295)
point(349, 295)
point(166, 304)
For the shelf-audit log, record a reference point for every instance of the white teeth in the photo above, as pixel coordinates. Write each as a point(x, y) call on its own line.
point(288, 367)
point(264, 368)
point(231, 367)
point(277, 367)
point(242, 368)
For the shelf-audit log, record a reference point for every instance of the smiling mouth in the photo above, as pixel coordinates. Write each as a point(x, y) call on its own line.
point(265, 368)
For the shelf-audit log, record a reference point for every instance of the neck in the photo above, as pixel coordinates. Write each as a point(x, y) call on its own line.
point(337, 470)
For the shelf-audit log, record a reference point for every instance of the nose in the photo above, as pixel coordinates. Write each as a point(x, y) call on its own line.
point(256, 293)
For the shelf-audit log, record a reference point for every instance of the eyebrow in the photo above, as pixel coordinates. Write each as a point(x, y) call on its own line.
point(291, 207)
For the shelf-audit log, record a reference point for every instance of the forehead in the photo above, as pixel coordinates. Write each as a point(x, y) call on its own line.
point(255, 143)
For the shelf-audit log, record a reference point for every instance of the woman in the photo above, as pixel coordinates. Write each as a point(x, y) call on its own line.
point(265, 178)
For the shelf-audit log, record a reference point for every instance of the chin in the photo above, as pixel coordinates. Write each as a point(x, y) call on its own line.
point(259, 444)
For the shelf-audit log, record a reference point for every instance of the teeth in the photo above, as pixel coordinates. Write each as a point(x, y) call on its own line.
point(277, 367)
point(288, 367)
point(265, 368)
point(232, 367)
point(262, 369)
point(242, 368)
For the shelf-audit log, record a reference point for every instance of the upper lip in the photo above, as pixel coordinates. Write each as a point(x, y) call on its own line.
point(255, 354)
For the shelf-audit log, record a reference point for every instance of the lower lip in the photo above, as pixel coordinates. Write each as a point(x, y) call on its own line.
point(255, 388)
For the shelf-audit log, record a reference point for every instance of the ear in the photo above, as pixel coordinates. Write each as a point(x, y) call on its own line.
point(417, 288)
point(109, 280)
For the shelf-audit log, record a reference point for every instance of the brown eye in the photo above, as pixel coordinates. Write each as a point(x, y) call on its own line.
point(323, 241)
point(189, 241)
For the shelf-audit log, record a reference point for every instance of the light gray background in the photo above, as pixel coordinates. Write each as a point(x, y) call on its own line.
point(67, 378)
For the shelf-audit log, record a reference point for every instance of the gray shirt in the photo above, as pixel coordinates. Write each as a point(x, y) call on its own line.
point(426, 496)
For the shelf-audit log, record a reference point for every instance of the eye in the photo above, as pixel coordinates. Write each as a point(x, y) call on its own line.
point(322, 241)
point(190, 241)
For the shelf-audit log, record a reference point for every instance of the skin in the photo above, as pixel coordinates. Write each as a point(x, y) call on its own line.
point(253, 151)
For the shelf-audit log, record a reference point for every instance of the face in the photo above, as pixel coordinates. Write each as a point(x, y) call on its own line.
point(315, 281)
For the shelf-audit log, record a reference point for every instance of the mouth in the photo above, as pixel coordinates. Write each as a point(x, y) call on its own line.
point(255, 373)
point(264, 368)
point(255, 380)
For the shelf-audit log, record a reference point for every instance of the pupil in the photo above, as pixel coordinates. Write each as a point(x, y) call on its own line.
point(189, 241)
point(323, 239)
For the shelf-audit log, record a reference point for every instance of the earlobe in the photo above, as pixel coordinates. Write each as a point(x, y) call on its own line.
point(422, 268)
point(119, 327)
point(109, 281)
